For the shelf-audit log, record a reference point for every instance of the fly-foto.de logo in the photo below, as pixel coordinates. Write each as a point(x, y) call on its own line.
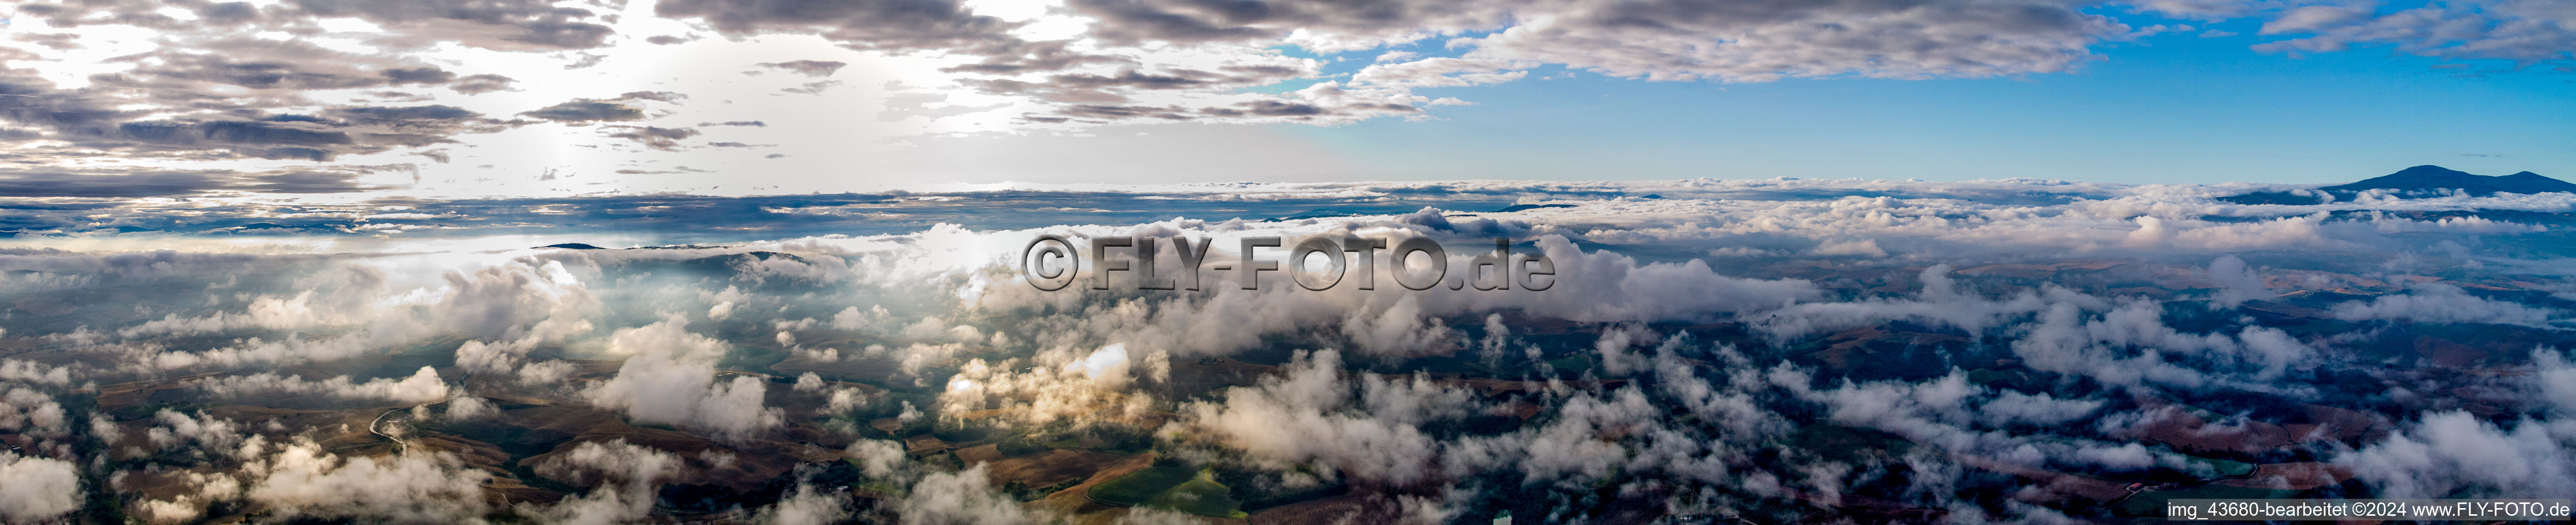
point(1052, 262)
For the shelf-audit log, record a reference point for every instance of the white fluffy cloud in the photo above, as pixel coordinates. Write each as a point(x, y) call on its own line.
point(35, 488)
point(670, 376)
point(1307, 415)
point(807, 506)
point(422, 386)
point(302, 480)
point(964, 497)
point(2453, 454)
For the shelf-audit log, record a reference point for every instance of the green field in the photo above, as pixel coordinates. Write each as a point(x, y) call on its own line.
point(1201, 495)
point(1136, 487)
point(1178, 488)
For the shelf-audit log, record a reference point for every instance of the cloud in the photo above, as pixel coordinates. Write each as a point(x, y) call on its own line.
point(811, 68)
point(1136, 21)
point(1762, 41)
point(588, 110)
point(2004, 341)
point(964, 497)
point(612, 462)
point(32, 412)
point(654, 137)
point(877, 458)
point(251, 100)
point(422, 386)
point(506, 25)
point(2453, 454)
point(1440, 72)
point(871, 24)
point(2441, 303)
point(1300, 416)
point(623, 478)
point(670, 377)
point(230, 83)
point(37, 488)
point(806, 506)
point(2525, 31)
point(302, 480)
point(483, 83)
point(285, 65)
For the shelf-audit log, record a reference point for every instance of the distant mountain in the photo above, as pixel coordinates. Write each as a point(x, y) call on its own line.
point(572, 246)
point(2434, 178)
point(1520, 207)
point(727, 263)
point(271, 228)
point(2426, 180)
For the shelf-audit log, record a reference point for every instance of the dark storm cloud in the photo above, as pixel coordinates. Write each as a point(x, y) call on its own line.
point(811, 68)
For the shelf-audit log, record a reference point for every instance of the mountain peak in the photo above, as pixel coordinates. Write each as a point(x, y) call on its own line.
point(2434, 178)
point(2430, 170)
point(2419, 180)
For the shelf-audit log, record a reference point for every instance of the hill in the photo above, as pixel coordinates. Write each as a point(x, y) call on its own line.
point(2420, 181)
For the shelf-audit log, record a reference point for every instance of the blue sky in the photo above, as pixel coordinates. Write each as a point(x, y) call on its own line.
point(2168, 108)
point(726, 98)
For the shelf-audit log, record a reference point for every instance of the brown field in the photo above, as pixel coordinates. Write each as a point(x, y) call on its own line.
point(2053, 486)
point(1077, 505)
point(1039, 469)
point(2292, 476)
point(1346, 508)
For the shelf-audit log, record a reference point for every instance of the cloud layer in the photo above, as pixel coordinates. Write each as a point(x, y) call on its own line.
point(1995, 350)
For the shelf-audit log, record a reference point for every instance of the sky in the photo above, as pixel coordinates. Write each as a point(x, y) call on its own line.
point(1957, 261)
point(322, 100)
